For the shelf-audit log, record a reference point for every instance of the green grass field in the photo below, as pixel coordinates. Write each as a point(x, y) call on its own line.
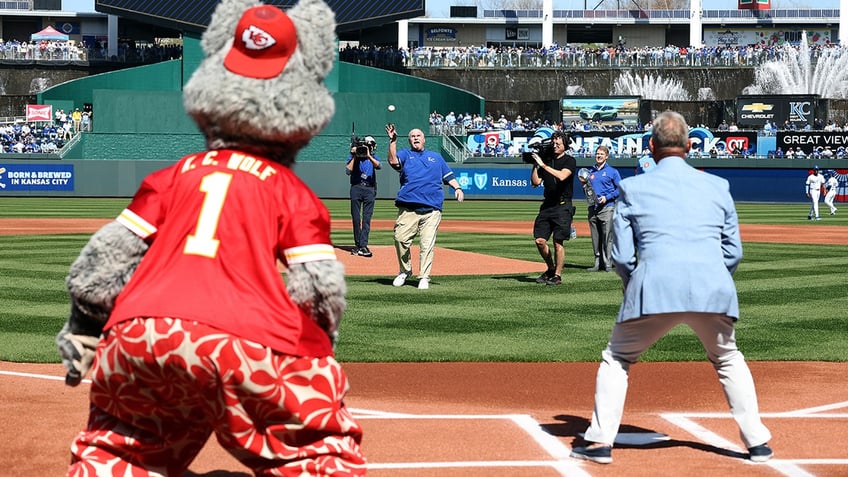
point(792, 297)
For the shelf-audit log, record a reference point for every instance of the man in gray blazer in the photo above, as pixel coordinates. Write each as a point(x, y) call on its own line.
point(675, 246)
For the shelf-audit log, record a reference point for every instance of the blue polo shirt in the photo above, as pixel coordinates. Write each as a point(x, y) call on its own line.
point(422, 174)
point(605, 182)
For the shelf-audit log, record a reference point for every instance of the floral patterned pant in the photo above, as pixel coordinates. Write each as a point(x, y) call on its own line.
point(161, 387)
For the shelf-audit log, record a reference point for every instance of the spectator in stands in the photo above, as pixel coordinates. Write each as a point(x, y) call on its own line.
point(85, 121)
point(76, 117)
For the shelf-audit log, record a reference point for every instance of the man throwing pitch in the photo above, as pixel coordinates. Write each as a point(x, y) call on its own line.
point(676, 245)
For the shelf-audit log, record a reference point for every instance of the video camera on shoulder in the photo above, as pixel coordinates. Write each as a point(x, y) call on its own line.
point(362, 146)
point(542, 143)
point(544, 148)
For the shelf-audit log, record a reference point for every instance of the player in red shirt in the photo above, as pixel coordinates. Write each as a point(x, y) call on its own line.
point(200, 333)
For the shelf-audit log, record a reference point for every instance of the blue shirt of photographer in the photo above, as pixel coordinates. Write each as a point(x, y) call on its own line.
point(363, 171)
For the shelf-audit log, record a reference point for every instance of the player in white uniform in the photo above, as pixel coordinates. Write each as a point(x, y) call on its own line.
point(815, 181)
point(832, 184)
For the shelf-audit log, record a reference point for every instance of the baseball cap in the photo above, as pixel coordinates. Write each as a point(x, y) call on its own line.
point(264, 41)
point(816, 167)
point(369, 140)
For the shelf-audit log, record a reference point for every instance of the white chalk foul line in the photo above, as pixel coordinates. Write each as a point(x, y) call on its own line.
point(39, 376)
point(787, 467)
point(558, 451)
point(813, 410)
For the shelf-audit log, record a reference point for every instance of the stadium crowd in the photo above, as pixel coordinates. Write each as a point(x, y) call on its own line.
point(462, 124)
point(45, 137)
point(569, 56)
point(70, 50)
point(23, 138)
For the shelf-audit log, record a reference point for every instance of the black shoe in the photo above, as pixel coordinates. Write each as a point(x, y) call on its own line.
point(354, 251)
point(554, 280)
point(600, 455)
point(364, 252)
point(760, 453)
point(543, 278)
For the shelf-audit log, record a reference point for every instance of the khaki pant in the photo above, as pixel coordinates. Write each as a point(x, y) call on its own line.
point(410, 224)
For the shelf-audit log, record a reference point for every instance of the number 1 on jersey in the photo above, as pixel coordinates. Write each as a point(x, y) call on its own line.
point(203, 241)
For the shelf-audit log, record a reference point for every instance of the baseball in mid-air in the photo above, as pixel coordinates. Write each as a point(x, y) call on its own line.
point(391, 107)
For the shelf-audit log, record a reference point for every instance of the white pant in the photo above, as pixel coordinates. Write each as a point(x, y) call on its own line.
point(631, 338)
point(828, 199)
point(814, 209)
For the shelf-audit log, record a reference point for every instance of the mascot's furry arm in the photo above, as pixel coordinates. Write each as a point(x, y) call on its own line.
point(319, 289)
point(95, 279)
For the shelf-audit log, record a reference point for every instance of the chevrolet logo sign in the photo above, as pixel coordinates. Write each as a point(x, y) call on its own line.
point(757, 107)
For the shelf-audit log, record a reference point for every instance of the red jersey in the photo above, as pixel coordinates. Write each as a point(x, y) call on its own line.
point(217, 222)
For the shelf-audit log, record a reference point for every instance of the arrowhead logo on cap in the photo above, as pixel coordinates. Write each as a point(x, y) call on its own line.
point(255, 38)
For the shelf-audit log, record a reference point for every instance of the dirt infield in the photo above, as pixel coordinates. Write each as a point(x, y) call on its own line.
point(500, 419)
point(453, 262)
point(459, 419)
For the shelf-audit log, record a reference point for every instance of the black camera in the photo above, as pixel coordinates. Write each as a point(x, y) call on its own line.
point(544, 148)
point(360, 146)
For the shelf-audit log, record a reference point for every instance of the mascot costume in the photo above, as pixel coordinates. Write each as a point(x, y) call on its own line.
point(178, 305)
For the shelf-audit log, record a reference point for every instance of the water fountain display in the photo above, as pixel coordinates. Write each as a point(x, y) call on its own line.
point(706, 94)
point(803, 71)
point(649, 86)
point(575, 90)
point(38, 85)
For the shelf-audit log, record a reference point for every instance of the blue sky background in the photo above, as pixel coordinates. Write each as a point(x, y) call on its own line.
point(80, 5)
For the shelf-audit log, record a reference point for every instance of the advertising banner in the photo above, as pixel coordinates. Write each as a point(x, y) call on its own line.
point(630, 144)
point(612, 111)
point(39, 112)
point(786, 111)
point(506, 182)
point(808, 141)
point(36, 177)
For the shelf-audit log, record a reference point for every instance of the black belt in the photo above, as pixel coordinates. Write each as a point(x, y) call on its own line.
point(365, 185)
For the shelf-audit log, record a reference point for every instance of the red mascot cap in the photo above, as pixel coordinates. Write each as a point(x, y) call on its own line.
point(265, 40)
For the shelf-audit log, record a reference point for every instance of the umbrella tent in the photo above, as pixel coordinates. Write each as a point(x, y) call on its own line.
point(49, 33)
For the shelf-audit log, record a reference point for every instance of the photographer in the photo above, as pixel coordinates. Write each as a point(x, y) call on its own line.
point(361, 167)
point(554, 170)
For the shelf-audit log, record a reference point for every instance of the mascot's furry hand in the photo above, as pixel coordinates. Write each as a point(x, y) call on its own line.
point(319, 289)
point(95, 279)
point(77, 342)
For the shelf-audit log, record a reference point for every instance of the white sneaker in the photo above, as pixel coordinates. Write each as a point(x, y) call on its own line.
point(399, 280)
point(424, 284)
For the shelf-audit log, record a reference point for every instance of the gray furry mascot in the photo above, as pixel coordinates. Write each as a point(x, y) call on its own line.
point(271, 111)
